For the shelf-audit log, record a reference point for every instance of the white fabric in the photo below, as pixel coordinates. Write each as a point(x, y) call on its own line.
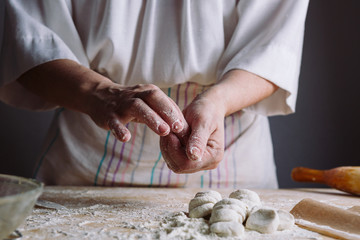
point(168, 43)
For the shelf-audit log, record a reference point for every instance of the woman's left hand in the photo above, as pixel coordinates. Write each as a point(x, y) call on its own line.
point(204, 146)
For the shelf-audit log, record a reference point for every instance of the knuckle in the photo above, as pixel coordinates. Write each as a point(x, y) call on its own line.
point(135, 103)
point(149, 92)
point(152, 87)
point(114, 90)
point(145, 87)
point(137, 86)
point(153, 94)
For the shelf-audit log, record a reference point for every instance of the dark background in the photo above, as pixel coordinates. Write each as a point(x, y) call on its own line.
point(323, 133)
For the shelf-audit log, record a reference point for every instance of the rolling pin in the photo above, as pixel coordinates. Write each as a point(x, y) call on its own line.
point(327, 219)
point(345, 179)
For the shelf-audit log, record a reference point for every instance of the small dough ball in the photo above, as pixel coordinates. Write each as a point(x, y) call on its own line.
point(249, 197)
point(201, 211)
point(204, 197)
point(227, 229)
point(263, 220)
point(211, 193)
point(229, 209)
point(201, 205)
point(225, 215)
point(286, 220)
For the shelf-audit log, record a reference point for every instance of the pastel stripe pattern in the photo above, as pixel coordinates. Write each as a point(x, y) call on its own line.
point(111, 159)
point(153, 170)
point(119, 163)
point(129, 157)
point(102, 159)
point(139, 155)
point(139, 162)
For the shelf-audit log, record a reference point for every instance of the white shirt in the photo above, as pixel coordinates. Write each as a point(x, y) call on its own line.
point(181, 46)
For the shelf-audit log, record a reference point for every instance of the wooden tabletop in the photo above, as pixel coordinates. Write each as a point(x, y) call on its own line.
point(139, 213)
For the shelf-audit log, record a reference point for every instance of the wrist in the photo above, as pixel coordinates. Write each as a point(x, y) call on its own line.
point(216, 96)
point(94, 94)
point(239, 89)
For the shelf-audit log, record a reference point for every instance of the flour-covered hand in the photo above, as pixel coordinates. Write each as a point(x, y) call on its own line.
point(204, 145)
point(115, 106)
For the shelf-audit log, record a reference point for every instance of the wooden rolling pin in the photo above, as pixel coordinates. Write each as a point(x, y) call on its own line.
point(345, 179)
point(327, 219)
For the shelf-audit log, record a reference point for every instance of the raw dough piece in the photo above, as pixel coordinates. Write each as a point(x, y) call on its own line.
point(227, 217)
point(225, 229)
point(249, 197)
point(201, 205)
point(286, 220)
point(201, 211)
point(228, 209)
point(263, 220)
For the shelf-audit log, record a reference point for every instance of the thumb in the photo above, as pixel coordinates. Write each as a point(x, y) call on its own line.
point(197, 143)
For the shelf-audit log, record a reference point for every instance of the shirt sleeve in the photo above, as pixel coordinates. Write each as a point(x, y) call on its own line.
point(32, 33)
point(267, 41)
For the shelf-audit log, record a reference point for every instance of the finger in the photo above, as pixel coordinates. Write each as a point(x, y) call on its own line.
point(141, 112)
point(165, 107)
point(184, 134)
point(197, 143)
point(118, 129)
point(175, 156)
point(172, 152)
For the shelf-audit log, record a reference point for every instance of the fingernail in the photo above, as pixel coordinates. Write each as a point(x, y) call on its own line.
point(195, 154)
point(177, 126)
point(163, 128)
point(123, 136)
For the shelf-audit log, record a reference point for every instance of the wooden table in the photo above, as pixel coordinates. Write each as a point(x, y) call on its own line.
point(138, 213)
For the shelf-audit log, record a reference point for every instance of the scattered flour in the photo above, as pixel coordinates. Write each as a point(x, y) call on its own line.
point(100, 224)
point(101, 214)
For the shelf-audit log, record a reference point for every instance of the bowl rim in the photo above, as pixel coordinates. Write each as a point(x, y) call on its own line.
point(37, 190)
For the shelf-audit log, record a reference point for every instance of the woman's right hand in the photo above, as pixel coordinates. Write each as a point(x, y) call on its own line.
point(68, 84)
point(113, 106)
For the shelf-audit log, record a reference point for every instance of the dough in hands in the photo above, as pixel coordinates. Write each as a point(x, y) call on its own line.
point(263, 220)
point(227, 217)
point(202, 204)
point(250, 198)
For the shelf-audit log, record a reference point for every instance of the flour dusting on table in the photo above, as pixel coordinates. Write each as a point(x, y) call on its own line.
point(111, 222)
point(120, 213)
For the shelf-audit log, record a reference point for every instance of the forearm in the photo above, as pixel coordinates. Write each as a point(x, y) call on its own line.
point(64, 83)
point(239, 89)
point(110, 105)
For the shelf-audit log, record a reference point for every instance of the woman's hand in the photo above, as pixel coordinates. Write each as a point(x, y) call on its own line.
point(114, 106)
point(111, 106)
point(204, 147)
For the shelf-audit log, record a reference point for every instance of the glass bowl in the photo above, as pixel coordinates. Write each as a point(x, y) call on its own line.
point(18, 196)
